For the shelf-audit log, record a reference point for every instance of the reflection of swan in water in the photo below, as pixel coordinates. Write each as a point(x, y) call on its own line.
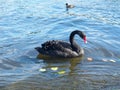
point(66, 63)
point(63, 49)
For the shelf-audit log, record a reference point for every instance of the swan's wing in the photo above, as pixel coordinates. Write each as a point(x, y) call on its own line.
point(56, 45)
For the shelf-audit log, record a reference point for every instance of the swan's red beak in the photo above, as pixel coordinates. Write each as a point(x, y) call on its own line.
point(85, 40)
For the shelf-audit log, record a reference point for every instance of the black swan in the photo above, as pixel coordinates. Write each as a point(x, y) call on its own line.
point(63, 49)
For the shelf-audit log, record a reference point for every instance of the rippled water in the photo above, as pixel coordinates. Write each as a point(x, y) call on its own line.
point(25, 24)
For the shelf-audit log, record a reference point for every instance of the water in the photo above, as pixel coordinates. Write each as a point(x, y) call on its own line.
point(25, 24)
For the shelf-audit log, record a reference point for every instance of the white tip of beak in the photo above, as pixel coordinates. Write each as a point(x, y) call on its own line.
point(85, 42)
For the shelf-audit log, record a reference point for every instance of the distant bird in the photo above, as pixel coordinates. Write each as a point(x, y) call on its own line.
point(69, 6)
point(63, 49)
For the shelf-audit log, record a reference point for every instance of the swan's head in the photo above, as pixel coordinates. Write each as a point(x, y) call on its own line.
point(82, 35)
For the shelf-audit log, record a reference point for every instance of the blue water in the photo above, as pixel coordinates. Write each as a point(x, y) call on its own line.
point(26, 24)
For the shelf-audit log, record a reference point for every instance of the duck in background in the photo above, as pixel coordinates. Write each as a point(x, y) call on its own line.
point(69, 6)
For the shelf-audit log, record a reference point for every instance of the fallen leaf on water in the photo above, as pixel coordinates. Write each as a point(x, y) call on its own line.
point(61, 72)
point(54, 68)
point(89, 59)
point(111, 60)
point(42, 69)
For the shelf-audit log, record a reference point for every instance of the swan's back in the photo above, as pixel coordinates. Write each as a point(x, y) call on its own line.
point(55, 45)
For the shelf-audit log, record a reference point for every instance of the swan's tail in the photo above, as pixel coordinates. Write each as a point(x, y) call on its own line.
point(39, 49)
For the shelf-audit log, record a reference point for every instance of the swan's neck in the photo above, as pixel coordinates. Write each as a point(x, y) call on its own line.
point(74, 45)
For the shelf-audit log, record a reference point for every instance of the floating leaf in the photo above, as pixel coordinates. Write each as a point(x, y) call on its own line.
point(89, 59)
point(54, 68)
point(61, 72)
point(42, 69)
point(111, 60)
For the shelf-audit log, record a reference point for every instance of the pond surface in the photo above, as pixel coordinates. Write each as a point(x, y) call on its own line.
point(26, 24)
